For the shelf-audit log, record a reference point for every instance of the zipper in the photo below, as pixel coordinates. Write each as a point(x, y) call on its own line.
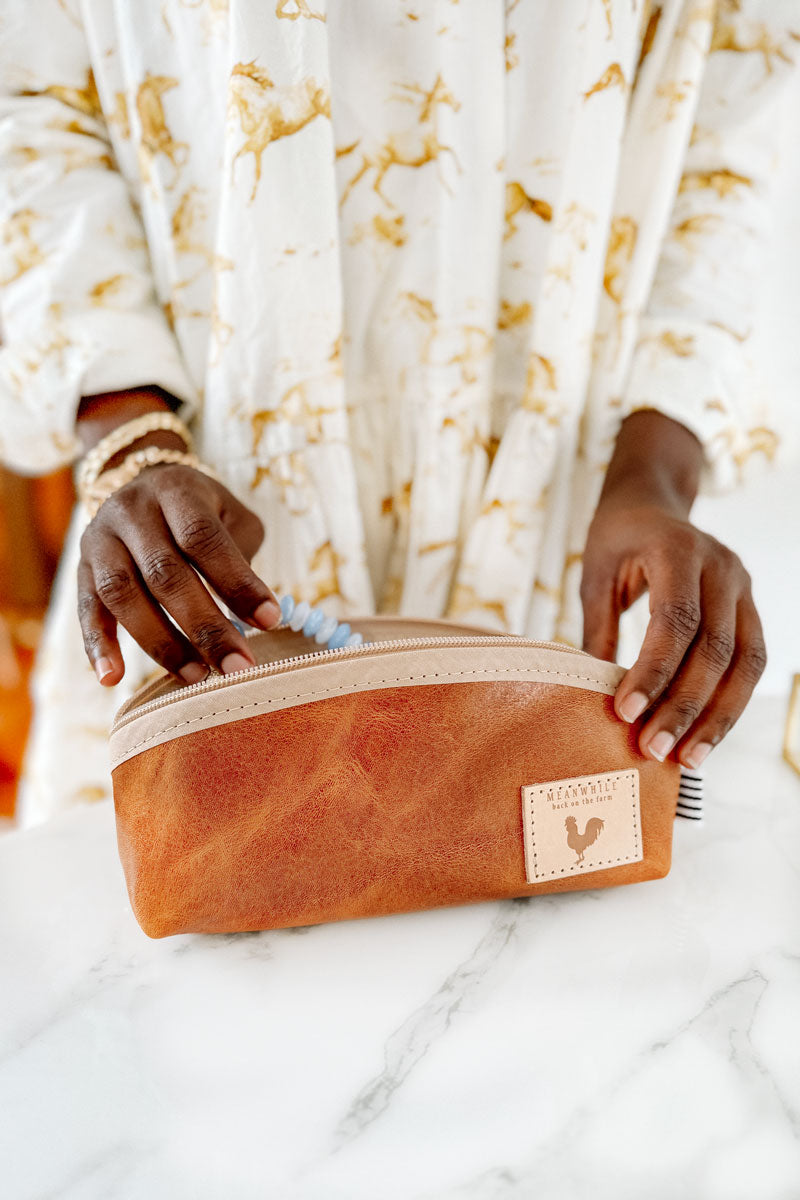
point(131, 710)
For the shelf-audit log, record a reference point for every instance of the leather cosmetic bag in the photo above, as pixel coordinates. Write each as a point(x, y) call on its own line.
point(438, 764)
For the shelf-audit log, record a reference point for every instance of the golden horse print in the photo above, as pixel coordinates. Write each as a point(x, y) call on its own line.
point(267, 112)
point(156, 137)
point(409, 147)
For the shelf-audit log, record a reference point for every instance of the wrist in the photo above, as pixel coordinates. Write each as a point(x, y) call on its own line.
point(160, 439)
point(94, 494)
point(656, 462)
point(154, 435)
point(98, 415)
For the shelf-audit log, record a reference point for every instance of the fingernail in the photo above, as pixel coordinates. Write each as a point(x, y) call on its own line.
point(633, 706)
point(234, 662)
point(103, 667)
point(193, 672)
point(267, 614)
point(699, 754)
point(661, 745)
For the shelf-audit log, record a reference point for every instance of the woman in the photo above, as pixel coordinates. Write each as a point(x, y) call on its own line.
point(454, 296)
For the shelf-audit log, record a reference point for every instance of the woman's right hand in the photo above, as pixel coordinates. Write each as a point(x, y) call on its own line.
point(141, 558)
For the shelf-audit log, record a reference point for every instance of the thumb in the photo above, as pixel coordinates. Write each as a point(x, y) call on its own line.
point(600, 616)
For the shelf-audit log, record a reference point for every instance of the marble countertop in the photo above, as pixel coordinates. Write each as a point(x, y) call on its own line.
point(634, 1042)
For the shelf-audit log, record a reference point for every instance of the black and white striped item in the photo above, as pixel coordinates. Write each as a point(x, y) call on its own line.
point(690, 795)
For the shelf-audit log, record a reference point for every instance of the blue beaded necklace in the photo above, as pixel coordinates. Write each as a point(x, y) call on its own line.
point(312, 622)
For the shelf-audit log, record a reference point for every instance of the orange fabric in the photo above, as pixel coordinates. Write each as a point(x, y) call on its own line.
point(34, 514)
point(19, 635)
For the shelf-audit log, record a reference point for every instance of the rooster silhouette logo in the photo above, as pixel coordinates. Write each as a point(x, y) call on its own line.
point(580, 842)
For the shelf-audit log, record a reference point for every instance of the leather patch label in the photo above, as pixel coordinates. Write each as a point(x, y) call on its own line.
point(574, 826)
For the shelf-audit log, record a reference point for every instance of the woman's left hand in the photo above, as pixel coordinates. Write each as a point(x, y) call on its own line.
point(703, 651)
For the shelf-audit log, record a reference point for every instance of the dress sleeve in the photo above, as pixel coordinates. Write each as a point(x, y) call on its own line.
point(78, 308)
point(691, 359)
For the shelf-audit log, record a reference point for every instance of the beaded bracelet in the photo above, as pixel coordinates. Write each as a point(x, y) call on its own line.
point(92, 464)
point(132, 465)
point(312, 622)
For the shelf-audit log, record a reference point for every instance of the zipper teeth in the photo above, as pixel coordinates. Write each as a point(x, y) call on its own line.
point(214, 682)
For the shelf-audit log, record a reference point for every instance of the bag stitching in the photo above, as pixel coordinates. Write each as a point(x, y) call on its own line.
point(325, 691)
point(575, 868)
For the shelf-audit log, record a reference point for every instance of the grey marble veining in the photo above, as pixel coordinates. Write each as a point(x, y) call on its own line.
point(625, 1043)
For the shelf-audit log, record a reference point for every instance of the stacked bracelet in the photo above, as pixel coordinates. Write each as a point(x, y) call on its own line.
point(132, 465)
point(312, 622)
point(94, 462)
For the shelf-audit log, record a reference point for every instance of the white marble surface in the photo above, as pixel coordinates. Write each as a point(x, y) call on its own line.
point(638, 1042)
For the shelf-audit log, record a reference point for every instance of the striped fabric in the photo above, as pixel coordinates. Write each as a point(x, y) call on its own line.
point(690, 795)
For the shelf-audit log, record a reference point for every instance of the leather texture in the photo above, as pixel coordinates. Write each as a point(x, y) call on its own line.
point(367, 803)
point(236, 697)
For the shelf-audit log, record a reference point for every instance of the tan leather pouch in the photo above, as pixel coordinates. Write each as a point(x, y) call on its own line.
point(441, 764)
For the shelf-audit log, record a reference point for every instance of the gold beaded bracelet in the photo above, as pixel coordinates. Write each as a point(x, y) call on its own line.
point(109, 482)
point(92, 464)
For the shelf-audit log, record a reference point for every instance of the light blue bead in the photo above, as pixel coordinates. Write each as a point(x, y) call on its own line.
point(287, 606)
point(313, 621)
point(299, 616)
point(340, 636)
point(325, 630)
point(355, 639)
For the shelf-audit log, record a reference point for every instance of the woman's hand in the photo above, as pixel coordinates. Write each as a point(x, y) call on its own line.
point(703, 651)
point(142, 557)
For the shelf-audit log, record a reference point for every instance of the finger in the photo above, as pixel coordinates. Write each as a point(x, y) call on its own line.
point(600, 616)
point(121, 591)
point(99, 630)
point(206, 543)
point(700, 672)
point(674, 621)
point(247, 526)
point(735, 690)
point(177, 587)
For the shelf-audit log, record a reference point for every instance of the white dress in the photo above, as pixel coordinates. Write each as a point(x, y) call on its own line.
point(407, 264)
